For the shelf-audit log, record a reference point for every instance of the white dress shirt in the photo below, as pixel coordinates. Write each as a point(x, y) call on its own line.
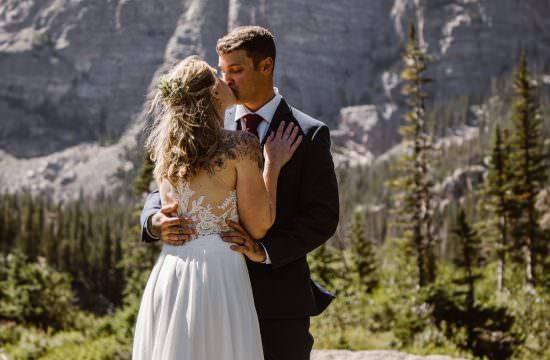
point(266, 112)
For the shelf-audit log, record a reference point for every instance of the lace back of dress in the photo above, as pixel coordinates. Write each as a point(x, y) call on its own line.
point(209, 218)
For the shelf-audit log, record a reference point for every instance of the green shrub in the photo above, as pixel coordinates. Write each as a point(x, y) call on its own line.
point(34, 293)
point(104, 348)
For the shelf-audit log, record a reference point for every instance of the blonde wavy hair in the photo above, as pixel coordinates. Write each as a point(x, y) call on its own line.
point(186, 133)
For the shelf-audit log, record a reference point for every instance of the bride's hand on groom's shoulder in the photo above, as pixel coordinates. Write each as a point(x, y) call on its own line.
point(243, 242)
point(172, 230)
point(281, 144)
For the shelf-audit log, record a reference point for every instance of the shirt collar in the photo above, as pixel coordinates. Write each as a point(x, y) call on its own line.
point(266, 112)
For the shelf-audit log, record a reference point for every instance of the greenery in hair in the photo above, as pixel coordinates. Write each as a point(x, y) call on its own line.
point(174, 90)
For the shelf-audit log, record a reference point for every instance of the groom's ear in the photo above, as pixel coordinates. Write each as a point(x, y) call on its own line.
point(266, 65)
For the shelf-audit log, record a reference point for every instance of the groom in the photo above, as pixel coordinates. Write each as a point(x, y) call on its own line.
point(307, 200)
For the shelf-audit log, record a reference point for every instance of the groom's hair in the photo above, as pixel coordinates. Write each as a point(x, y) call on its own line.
point(256, 40)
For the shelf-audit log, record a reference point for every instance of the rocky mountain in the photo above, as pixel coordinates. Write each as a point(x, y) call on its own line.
point(75, 73)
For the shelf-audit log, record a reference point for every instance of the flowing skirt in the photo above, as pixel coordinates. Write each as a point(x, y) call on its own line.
point(198, 305)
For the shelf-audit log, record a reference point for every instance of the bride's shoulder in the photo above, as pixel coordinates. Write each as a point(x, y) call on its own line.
point(241, 145)
point(240, 141)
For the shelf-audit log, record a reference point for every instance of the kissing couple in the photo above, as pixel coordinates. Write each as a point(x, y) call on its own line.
point(246, 189)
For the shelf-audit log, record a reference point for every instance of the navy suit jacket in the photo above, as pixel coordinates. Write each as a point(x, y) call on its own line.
point(307, 216)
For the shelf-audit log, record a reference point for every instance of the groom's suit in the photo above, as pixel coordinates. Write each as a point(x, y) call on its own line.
point(307, 215)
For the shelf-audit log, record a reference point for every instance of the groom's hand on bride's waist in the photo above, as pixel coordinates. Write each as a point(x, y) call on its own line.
point(243, 242)
point(172, 230)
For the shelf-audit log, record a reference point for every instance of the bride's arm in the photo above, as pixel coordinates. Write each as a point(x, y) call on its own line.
point(257, 199)
point(256, 212)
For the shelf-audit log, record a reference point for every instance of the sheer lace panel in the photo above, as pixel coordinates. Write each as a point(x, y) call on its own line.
point(208, 218)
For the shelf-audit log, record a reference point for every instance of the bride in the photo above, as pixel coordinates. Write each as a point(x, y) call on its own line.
point(198, 304)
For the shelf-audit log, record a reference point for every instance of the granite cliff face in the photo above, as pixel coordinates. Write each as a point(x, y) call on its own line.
point(75, 73)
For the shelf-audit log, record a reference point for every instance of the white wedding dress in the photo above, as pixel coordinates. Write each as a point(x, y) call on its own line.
point(198, 304)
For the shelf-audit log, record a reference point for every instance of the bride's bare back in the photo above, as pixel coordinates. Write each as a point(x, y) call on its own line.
point(232, 188)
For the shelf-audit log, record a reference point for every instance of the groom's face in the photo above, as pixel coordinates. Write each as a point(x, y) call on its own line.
point(241, 75)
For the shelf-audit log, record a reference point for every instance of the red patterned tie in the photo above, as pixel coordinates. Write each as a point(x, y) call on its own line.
point(251, 122)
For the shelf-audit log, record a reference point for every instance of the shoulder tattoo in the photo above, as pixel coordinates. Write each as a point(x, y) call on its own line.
point(242, 145)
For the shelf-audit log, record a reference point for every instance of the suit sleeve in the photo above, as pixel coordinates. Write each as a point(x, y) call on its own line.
point(152, 205)
point(317, 217)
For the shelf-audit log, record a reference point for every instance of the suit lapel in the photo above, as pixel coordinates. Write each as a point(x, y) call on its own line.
point(283, 113)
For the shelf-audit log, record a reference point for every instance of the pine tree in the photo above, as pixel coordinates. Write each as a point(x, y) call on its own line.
point(416, 185)
point(50, 245)
point(2, 224)
point(5, 224)
point(26, 232)
point(64, 235)
point(75, 229)
point(83, 269)
point(497, 200)
point(324, 264)
point(528, 169)
point(363, 256)
point(38, 226)
point(488, 328)
point(467, 262)
point(13, 215)
point(118, 273)
point(145, 177)
point(107, 260)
